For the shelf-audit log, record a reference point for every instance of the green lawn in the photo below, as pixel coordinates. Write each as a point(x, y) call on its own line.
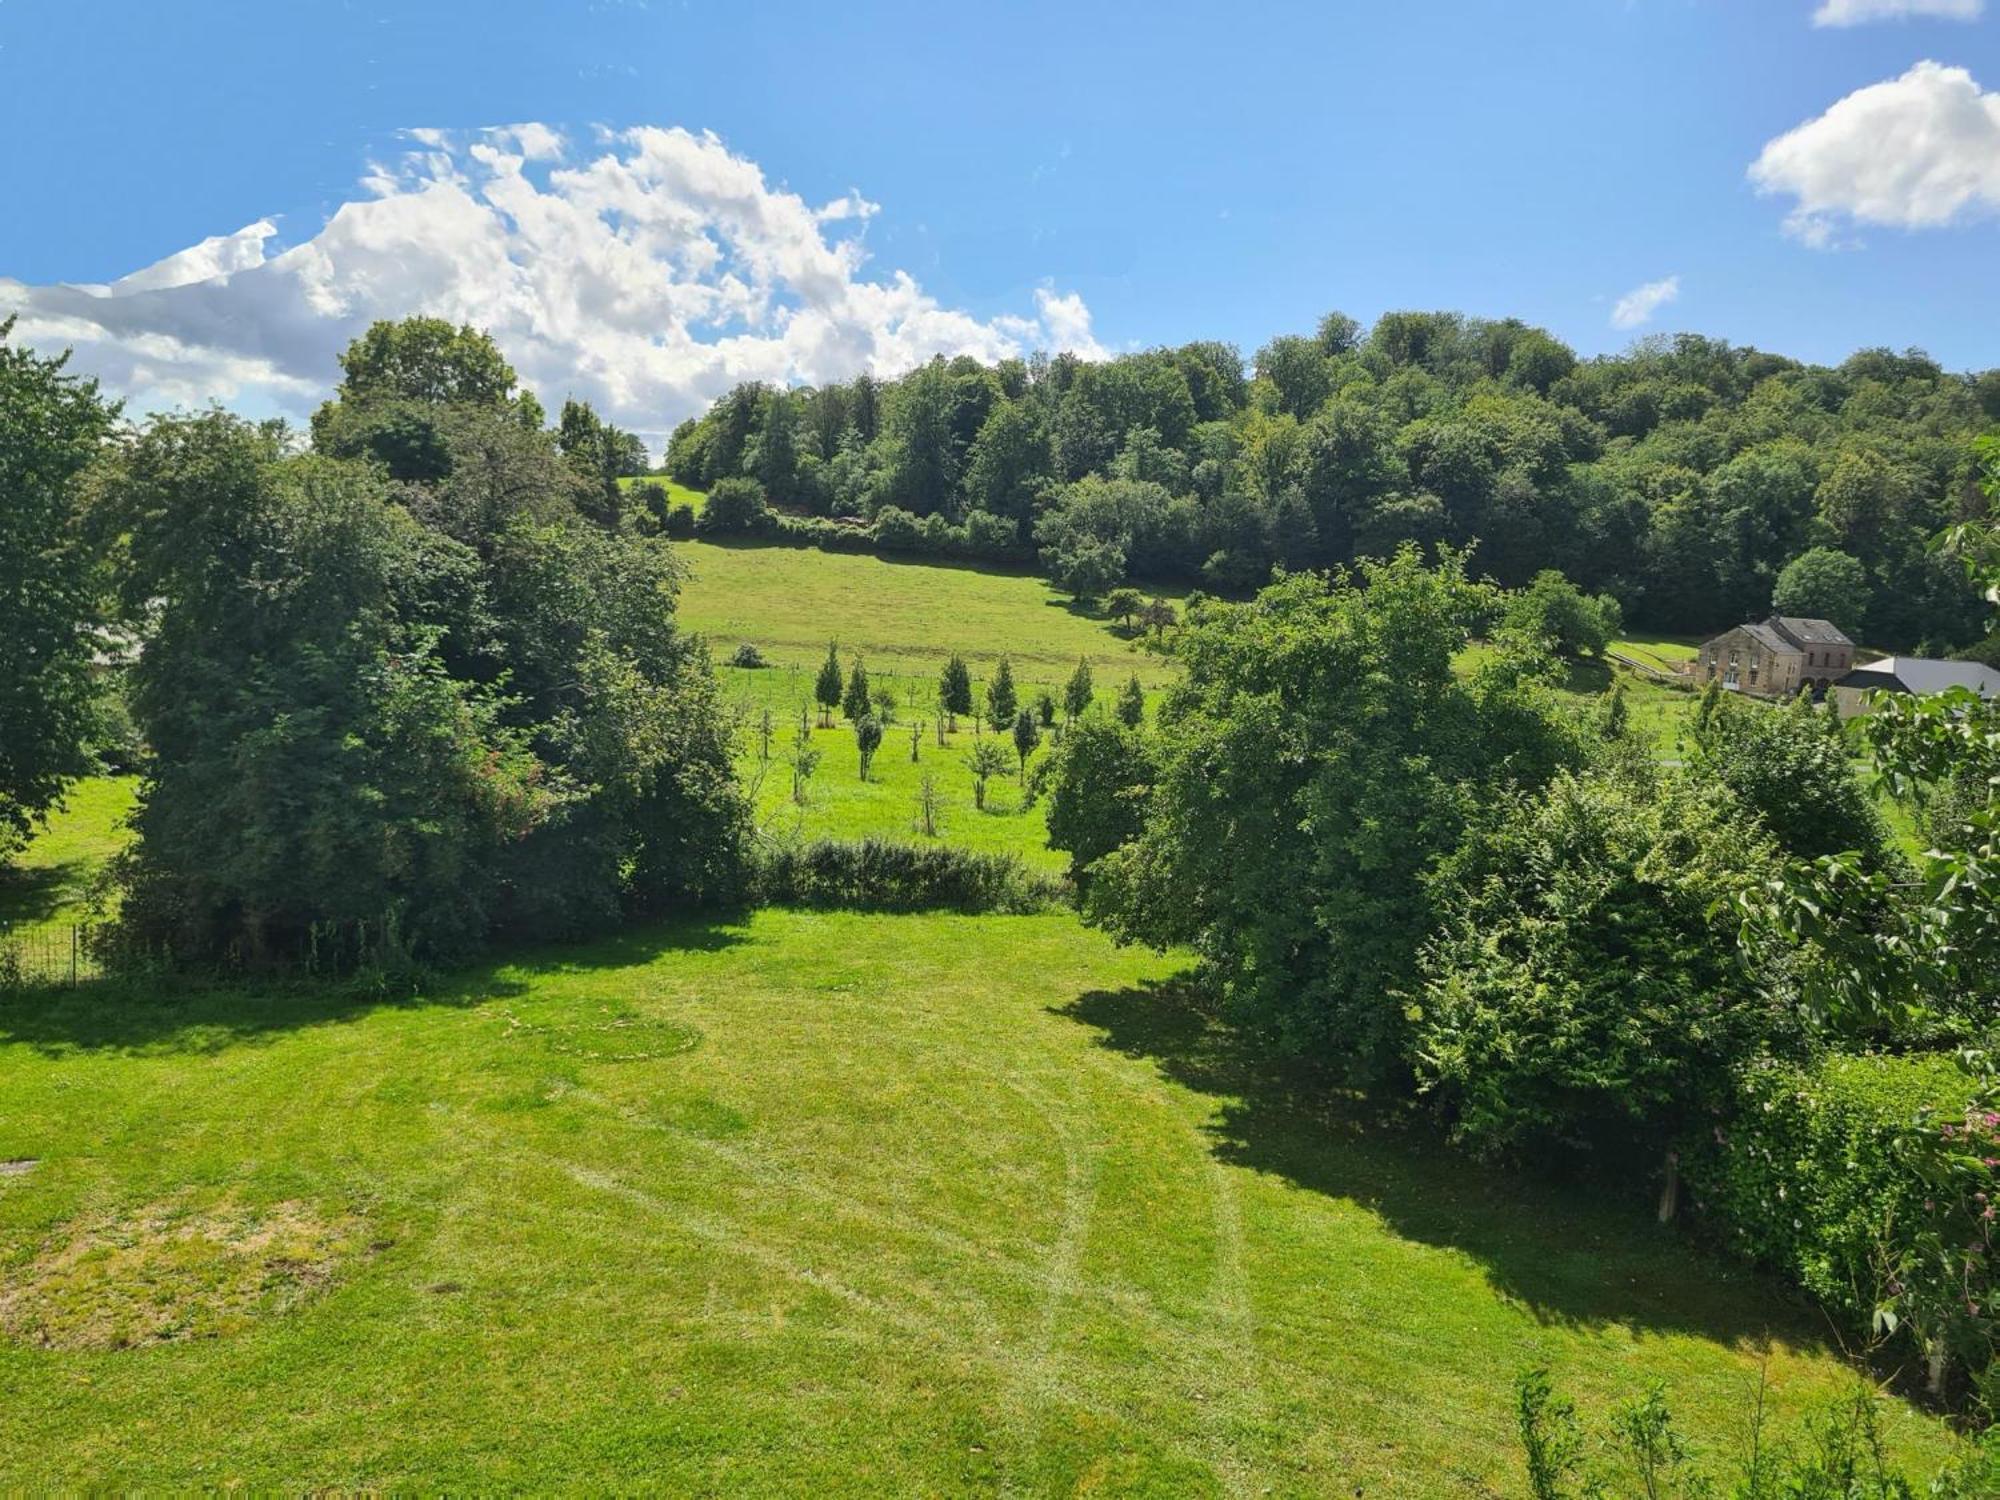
point(46, 885)
point(805, 1204)
point(677, 494)
point(1663, 652)
point(901, 615)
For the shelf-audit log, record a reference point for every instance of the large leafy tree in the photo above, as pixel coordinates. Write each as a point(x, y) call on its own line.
point(1824, 584)
point(400, 380)
point(1317, 759)
point(318, 778)
point(51, 427)
point(390, 718)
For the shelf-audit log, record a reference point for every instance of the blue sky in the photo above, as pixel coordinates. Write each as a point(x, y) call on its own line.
point(1167, 171)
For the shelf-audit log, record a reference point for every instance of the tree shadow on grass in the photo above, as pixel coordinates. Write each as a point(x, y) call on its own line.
point(39, 892)
point(181, 1013)
point(1571, 1255)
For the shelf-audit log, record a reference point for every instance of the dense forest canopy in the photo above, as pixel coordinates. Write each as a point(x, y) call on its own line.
point(1682, 477)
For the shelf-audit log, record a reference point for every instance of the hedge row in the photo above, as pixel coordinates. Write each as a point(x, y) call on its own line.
point(882, 875)
point(1872, 1181)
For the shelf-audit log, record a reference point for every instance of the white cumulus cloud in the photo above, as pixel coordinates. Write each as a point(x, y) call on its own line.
point(1860, 12)
point(1917, 152)
point(1637, 306)
point(647, 275)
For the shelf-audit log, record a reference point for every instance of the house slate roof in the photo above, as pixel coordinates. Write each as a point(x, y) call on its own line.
point(1805, 632)
point(1765, 636)
point(1922, 676)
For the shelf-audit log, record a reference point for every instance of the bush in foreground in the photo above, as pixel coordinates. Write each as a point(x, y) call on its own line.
point(1841, 1455)
point(1872, 1182)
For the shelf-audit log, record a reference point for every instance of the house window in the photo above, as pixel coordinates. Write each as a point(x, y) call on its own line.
point(1753, 671)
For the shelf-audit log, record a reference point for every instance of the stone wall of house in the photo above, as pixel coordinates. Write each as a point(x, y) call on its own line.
point(1737, 658)
point(1771, 674)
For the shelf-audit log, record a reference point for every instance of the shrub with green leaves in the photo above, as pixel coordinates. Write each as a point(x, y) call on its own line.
point(735, 507)
point(389, 721)
point(1792, 767)
point(1641, 1450)
point(51, 424)
point(1554, 610)
point(881, 875)
point(1873, 1182)
point(1099, 778)
point(1580, 989)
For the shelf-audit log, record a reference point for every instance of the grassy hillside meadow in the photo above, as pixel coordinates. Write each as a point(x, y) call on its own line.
point(806, 1204)
point(677, 494)
point(900, 615)
point(47, 886)
point(799, 1203)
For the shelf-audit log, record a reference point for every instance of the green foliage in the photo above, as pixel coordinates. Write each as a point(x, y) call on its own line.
point(1001, 701)
point(867, 739)
point(1553, 610)
point(955, 688)
point(51, 426)
point(827, 690)
point(986, 761)
point(1882, 954)
point(1131, 708)
point(735, 507)
point(1077, 692)
point(402, 381)
point(386, 723)
point(1123, 605)
point(1577, 990)
point(1642, 1451)
point(1320, 755)
point(747, 655)
point(1870, 1181)
point(426, 360)
point(1792, 768)
point(1027, 735)
point(1099, 779)
point(857, 702)
point(1824, 583)
point(1679, 478)
point(878, 875)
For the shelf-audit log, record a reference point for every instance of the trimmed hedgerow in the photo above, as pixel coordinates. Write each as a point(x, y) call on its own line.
point(881, 875)
point(1871, 1181)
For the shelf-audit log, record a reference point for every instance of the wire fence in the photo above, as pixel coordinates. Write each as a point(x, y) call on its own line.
point(50, 954)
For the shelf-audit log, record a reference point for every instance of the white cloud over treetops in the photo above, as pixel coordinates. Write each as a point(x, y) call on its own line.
point(1917, 152)
point(647, 276)
point(1860, 12)
point(1637, 306)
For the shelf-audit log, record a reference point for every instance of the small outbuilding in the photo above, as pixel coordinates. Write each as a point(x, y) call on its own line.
point(1920, 676)
point(1777, 657)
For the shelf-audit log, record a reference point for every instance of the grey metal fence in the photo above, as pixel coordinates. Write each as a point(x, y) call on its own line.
point(50, 953)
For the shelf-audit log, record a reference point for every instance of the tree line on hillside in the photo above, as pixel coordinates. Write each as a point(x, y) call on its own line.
point(1719, 973)
point(1691, 480)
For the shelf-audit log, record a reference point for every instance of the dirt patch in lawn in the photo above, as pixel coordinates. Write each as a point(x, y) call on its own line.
point(605, 1035)
point(171, 1271)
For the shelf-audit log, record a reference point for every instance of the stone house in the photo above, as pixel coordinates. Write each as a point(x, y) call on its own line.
point(1776, 658)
